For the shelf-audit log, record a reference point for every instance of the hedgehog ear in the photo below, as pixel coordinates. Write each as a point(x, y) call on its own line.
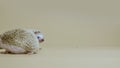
point(36, 32)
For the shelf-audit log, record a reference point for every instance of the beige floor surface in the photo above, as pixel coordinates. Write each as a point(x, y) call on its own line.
point(65, 58)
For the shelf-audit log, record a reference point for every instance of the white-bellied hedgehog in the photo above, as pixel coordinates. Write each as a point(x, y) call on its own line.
point(21, 41)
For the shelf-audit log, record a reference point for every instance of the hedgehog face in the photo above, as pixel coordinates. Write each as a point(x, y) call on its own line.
point(39, 36)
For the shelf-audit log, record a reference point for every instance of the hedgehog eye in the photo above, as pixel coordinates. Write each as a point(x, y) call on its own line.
point(38, 37)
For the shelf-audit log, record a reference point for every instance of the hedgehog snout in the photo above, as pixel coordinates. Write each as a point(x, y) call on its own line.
point(42, 40)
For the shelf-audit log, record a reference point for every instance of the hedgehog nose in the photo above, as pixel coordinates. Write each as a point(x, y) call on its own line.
point(42, 40)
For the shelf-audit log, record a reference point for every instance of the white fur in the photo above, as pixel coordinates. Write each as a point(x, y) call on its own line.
point(13, 49)
point(40, 35)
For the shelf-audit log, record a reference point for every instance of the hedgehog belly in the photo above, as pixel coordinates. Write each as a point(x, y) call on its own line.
point(13, 49)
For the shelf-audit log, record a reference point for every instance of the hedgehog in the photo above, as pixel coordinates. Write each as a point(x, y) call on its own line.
point(21, 41)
